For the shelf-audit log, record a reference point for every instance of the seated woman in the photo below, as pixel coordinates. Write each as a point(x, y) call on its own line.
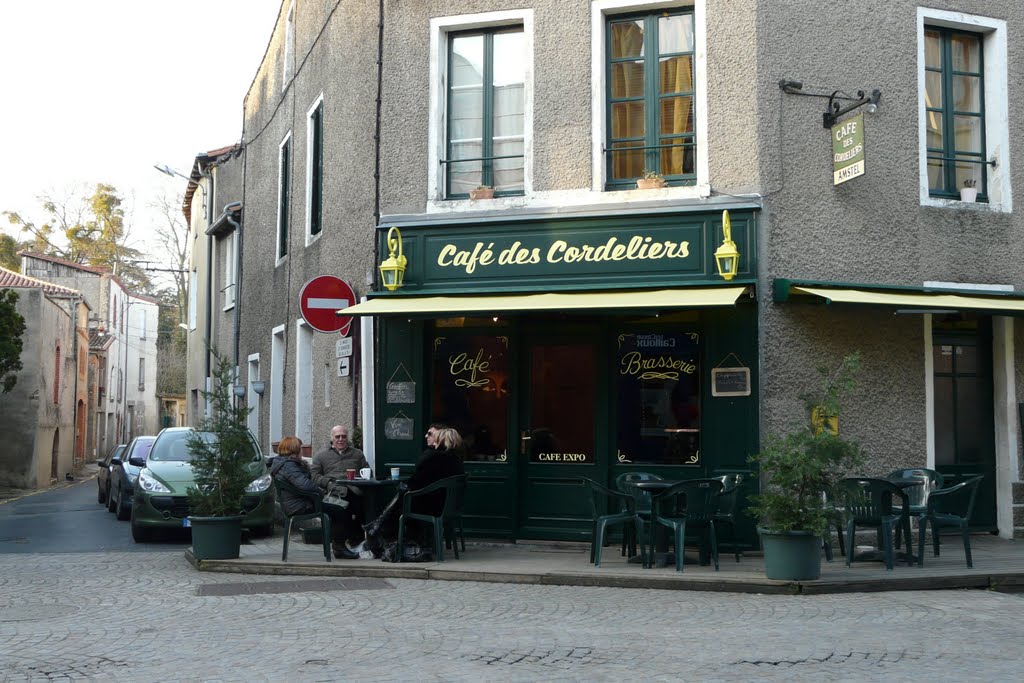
point(441, 459)
point(288, 466)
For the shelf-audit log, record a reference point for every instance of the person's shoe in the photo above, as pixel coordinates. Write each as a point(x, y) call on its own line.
point(345, 554)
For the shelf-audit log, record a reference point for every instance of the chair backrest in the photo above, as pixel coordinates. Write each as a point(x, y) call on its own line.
point(602, 500)
point(956, 500)
point(449, 485)
point(729, 497)
point(643, 498)
point(918, 495)
point(286, 490)
point(868, 500)
point(695, 499)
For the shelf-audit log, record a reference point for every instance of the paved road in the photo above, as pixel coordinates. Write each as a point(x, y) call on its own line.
point(148, 616)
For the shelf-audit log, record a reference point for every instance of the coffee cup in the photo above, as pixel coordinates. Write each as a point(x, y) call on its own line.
point(350, 474)
point(365, 473)
point(395, 472)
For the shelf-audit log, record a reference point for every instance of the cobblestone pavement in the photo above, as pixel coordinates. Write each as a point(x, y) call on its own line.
point(151, 617)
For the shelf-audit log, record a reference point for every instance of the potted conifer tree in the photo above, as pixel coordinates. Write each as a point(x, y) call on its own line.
point(224, 462)
point(800, 470)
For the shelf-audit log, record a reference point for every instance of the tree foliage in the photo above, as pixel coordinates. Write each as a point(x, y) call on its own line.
point(9, 253)
point(12, 326)
point(86, 228)
point(801, 468)
point(171, 346)
point(227, 463)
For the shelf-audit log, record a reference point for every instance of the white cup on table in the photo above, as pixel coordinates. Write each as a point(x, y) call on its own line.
point(395, 472)
point(365, 473)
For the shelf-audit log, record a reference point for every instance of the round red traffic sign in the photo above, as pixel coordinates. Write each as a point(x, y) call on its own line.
point(320, 298)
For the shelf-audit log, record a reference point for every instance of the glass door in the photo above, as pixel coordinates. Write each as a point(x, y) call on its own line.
point(557, 437)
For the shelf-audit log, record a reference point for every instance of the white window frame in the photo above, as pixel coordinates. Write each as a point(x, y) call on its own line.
point(193, 287)
point(278, 257)
point(252, 398)
point(278, 347)
point(600, 10)
point(142, 374)
point(440, 28)
point(997, 127)
point(303, 381)
point(230, 247)
point(310, 237)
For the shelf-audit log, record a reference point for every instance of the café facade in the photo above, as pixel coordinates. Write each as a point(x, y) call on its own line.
point(568, 346)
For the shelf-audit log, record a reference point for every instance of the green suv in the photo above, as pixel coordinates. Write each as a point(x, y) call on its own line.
point(160, 499)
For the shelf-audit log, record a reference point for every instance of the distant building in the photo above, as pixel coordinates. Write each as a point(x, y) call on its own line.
point(43, 419)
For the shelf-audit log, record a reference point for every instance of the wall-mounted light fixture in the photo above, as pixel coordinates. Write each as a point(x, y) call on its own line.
point(259, 386)
point(392, 269)
point(727, 258)
point(836, 108)
point(239, 391)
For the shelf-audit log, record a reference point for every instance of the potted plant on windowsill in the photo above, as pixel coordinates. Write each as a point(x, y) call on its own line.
point(223, 467)
point(969, 192)
point(800, 470)
point(650, 180)
point(482, 192)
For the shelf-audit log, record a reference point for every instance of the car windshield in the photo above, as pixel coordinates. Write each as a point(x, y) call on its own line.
point(173, 446)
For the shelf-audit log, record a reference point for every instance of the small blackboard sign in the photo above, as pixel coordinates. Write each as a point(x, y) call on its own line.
point(730, 382)
point(401, 392)
point(398, 428)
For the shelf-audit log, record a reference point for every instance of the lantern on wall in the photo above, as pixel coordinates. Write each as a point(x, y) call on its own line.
point(727, 258)
point(392, 269)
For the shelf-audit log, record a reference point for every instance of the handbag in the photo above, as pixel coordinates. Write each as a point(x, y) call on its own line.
point(335, 496)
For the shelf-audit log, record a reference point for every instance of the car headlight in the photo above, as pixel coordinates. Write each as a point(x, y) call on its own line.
point(259, 485)
point(150, 484)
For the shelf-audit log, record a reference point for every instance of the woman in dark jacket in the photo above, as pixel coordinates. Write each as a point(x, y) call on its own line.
point(441, 459)
point(288, 466)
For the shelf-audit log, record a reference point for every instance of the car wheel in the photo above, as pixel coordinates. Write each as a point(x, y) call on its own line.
point(123, 511)
point(110, 501)
point(101, 497)
point(140, 534)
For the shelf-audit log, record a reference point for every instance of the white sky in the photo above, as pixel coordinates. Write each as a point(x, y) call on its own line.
point(100, 90)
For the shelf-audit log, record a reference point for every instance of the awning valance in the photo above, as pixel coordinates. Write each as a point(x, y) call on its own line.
point(918, 299)
point(660, 299)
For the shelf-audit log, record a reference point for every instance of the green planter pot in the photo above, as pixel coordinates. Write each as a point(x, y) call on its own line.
point(791, 555)
point(216, 538)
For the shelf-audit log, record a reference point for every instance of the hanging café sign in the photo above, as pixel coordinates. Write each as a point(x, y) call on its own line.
point(848, 149)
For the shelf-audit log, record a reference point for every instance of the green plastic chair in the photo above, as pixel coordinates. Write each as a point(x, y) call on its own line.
point(450, 486)
point(608, 508)
point(643, 503)
point(281, 486)
point(868, 502)
point(454, 530)
point(917, 496)
point(688, 504)
point(727, 504)
point(951, 506)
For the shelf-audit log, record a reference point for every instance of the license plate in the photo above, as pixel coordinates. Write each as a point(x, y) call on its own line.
point(186, 523)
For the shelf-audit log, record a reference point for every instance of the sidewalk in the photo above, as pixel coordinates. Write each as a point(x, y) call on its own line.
point(998, 564)
point(84, 471)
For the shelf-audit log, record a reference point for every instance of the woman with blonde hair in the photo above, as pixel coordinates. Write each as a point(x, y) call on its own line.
point(289, 467)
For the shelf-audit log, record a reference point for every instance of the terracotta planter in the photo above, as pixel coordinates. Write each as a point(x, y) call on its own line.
point(649, 183)
point(482, 193)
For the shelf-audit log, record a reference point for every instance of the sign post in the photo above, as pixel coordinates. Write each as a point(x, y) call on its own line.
point(320, 298)
point(848, 149)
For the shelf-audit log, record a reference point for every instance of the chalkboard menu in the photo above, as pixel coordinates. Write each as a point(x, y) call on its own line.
point(401, 392)
point(398, 428)
point(730, 382)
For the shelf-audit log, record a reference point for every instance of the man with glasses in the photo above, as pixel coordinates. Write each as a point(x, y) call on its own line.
point(329, 466)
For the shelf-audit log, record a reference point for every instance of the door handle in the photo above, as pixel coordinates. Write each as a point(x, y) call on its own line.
point(523, 438)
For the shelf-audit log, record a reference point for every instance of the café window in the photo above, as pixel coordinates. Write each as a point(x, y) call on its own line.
point(471, 393)
point(658, 402)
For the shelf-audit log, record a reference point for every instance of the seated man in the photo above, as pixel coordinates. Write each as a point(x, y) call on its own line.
point(330, 465)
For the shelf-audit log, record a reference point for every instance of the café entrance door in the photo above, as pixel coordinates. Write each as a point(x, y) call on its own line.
point(558, 437)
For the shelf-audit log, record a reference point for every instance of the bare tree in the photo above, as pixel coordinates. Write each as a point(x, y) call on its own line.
point(173, 235)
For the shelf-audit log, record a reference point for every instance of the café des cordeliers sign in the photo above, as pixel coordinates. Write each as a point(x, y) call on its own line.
point(848, 149)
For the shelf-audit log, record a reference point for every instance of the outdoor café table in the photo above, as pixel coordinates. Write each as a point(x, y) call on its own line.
point(662, 558)
point(375, 493)
point(877, 554)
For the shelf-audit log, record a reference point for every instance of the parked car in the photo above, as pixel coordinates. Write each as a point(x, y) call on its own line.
point(160, 499)
point(123, 475)
point(103, 476)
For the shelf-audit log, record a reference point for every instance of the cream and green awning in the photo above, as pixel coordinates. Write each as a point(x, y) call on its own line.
point(918, 299)
point(659, 299)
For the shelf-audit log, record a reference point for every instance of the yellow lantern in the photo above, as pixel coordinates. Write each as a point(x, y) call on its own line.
point(392, 269)
point(727, 258)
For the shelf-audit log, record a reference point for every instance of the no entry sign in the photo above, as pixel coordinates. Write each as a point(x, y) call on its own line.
point(320, 298)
